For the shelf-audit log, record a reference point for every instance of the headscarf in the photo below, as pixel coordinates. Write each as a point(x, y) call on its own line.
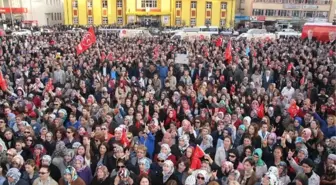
point(205, 175)
point(209, 144)
point(105, 171)
point(15, 174)
point(71, 171)
point(273, 137)
point(185, 138)
point(166, 146)
point(248, 120)
point(166, 176)
point(273, 170)
point(258, 152)
point(81, 159)
point(306, 134)
point(285, 168)
point(60, 149)
point(304, 151)
point(146, 163)
point(162, 156)
point(273, 180)
point(46, 158)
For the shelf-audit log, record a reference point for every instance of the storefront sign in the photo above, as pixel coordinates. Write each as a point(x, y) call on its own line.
point(310, 7)
point(291, 6)
point(241, 18)
point(13, 10)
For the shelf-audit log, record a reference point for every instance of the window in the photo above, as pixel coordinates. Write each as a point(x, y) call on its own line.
point(89, 4)
point(208, 5)
point(321, 14)
point(178, 21)
point(295, 13)
point(149, 3)
point(119, 3)
point(52, 16)
point(90, 20)
point(283, 13)
point(120, 20)
point(75, 20)
point(56, 17)
point(222, 22)
point(192, 22)
point(104, 3)
point(257, 12)
point(193, 4)
point(223, 6)
point(178, 4)
point(75, 4)
point(270, 12)
point(308, 14)
point(324, 1)
point(311, 2)
point(105, 20)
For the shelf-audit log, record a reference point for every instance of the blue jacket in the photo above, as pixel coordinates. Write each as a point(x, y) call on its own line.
point(327, 131)
point(149, 143)
point(163, 71)
point(76, 125)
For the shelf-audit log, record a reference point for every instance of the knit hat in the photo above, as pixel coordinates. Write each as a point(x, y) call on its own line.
point(304, 151)
point(308, 162)
point(14, 173)
point(298, 140)
point(242, 127)
point(332, 157)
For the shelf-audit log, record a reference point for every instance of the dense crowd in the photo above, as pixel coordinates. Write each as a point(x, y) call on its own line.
point(125, 112)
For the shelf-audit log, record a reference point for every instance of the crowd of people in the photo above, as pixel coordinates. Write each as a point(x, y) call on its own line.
point(124, 112)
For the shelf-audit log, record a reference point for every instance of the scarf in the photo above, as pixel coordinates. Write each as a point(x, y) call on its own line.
point(247, 175)
point(41, 183)
point(166, 176)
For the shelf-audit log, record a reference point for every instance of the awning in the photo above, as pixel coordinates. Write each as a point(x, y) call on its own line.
point(148, 13)
point(7, 10)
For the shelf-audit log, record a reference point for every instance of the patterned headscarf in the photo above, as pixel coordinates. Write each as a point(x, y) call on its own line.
point(166, 146)
point(71, 171)
point(166, 176)
point(185, 138)
point(15, 174)
point(60, 149)
point(81, 159)
point(47, 158)
point(105, 171)
point(205, 146)
point(146, 163)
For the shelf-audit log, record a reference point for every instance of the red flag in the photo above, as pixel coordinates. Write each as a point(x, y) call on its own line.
point(198, 152)
point(293, 109)
point(3, 83)
point(205, 50)
point(261, 111)
point(88, 40)
point(289, 67)
point(228, 55)
point(302, 81)
point(124, 141)
point(49, 86)
point(102, 56)
point(219, 41)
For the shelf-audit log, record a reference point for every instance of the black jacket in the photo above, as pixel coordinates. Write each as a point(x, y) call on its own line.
point(20, 182)
point(107, 181)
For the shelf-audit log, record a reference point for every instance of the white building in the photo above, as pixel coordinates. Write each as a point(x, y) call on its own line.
point(41, 12)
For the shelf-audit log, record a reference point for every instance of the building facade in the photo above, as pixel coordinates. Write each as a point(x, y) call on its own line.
point(301, 10)
point(33, 12)
point(167, 12)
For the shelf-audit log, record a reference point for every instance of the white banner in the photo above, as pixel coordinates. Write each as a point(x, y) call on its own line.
point(181, 59)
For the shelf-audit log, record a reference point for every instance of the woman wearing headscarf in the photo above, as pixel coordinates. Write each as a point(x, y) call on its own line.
point(101, 176)
point(168, 172)
point(82, 169)
point(66, 160)
point(38, 153)
point(179, 149)
point(269, 179)
point(70, 177)
point(144, 166)
point(261, 167)
point(283, 177)
point(165, 148)
point(207, 146)
point(13, 178)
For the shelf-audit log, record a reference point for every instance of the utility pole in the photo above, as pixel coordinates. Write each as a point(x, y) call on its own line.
point(11, 12)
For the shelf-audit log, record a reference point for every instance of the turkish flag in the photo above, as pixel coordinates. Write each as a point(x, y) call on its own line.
point(228, 55)
point(3, 83)
point(219, 42)
point(124, 141)
point(293, 109)
point(261, 111)
point(198, 152)
point(49, 86)
point(88, 40)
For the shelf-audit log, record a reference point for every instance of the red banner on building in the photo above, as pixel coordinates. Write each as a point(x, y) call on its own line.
point(14, 10)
